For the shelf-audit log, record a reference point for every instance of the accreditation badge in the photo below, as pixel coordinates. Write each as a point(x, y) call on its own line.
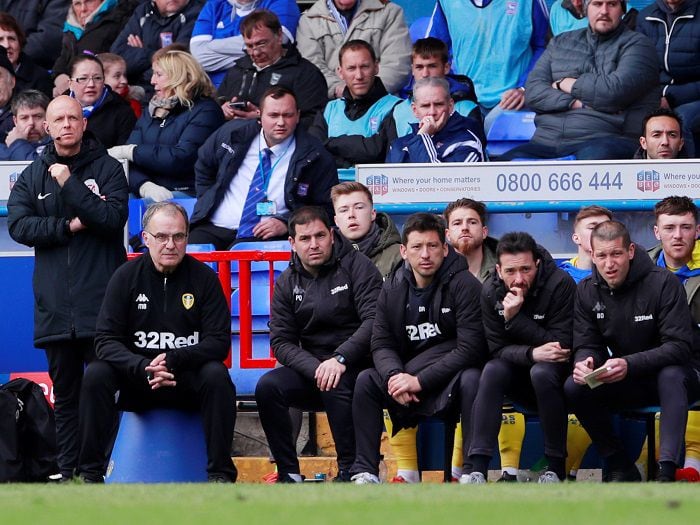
point(265, 209)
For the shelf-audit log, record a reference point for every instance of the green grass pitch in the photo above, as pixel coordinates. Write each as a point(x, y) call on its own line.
point(325, 504)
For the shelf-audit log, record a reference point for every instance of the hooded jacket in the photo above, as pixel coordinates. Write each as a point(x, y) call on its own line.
point(646, 320)
point(155, 31)
point(455, 311)
point(71, 271)
point(247, 83)
point(617, 78)
point(676, 38)
point(312, 318)
point(310, 176)
point(544, 317)
point(384, 252)
point(146, 312)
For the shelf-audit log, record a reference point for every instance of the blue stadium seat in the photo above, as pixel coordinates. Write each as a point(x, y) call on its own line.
point(510, 129)
point(245, 379)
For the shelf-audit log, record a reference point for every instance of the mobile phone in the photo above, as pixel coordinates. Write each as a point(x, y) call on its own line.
point(242, 105)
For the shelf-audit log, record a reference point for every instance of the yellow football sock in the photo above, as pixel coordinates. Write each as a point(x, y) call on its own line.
point(577, 443)
point(457, 457)
point(692, 440)
point(510, 440)
point(403, 445)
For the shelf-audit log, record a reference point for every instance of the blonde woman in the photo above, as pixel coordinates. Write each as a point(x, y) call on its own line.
point(162, 149)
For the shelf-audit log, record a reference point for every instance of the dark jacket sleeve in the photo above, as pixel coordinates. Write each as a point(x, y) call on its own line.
point(676, 330)
point(385, 346)
point(366, 282)
point(42, 43)
point(284, 332)
point(356, 149)
point(588, 339)
point(24, 223)
point(112, 333)
point(207, 166)
point(540, 96)
point(138, 59)
point(311, 91)
point(469, 350)
point(102, 217)
point(215, 339)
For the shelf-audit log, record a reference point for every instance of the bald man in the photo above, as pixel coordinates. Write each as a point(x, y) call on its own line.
point(70, 205)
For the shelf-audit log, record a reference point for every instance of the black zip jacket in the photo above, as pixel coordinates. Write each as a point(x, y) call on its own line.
point(646, 320)
point(313, 318)
point(71, 271)
point(545, 316)
point(455, 309)
point(146, 312)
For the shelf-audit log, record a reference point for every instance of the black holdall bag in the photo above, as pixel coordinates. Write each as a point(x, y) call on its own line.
point(27, 433)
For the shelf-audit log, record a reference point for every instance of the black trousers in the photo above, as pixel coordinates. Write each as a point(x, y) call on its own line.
point(371, 397)
point(66, 361)
point(106, 391)
point(673, 388)
point(540, 386)
point(282, 388)
point(207, 233)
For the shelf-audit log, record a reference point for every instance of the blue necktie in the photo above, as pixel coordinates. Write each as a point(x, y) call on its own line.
point(256, 194)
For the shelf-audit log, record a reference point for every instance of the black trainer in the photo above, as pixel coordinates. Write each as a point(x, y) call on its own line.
point(342, 477)
point(629, 474)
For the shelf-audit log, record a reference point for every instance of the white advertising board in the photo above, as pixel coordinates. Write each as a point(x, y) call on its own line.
point(531, 181)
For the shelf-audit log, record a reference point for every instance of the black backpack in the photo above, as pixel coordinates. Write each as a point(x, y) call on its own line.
point(27, 433)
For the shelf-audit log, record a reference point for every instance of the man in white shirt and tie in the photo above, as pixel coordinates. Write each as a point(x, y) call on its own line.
point(250, 175)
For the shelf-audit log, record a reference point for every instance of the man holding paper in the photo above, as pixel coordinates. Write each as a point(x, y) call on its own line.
point(632, 321)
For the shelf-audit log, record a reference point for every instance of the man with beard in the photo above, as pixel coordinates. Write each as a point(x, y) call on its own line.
point(527, 307)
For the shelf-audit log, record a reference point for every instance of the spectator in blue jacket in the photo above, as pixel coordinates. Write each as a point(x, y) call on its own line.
point(155, 24)
point(674, 28)
point(216, 39)
point(162, 149)
point(441, 134)
point(28, 138)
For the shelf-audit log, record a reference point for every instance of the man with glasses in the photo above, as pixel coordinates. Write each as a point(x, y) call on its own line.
point(70, 205)
point(162, 334)
point(268, 63)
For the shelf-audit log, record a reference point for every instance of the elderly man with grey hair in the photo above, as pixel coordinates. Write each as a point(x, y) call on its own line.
point(441, 134)
point(591, 88)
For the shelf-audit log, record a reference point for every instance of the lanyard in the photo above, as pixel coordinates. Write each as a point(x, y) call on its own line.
point(266, 178)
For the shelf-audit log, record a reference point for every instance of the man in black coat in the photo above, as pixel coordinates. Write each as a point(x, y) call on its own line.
point(427, 343)
point(320, 326)
point(70, 205)
point(163, 331)
point(527, 306)
point(266, 64)
point(269, 168)
point(632, 325)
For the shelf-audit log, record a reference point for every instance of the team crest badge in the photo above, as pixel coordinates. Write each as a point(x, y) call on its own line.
point(187, 300)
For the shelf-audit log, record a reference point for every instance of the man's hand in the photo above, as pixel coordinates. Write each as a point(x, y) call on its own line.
point(582, 369)
point(60, 173)
point(76, 225)
point(158, 374)
point(134, 41)
point(616, 371)
point(512, 302)
point(512, 99)
point(269, 228)
point(61, 84)
point(430, 125)
point(664, 103)
point(328, 374)
point(550, 353)
point(403, 388)
point(250, 111)
point(13, 135)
